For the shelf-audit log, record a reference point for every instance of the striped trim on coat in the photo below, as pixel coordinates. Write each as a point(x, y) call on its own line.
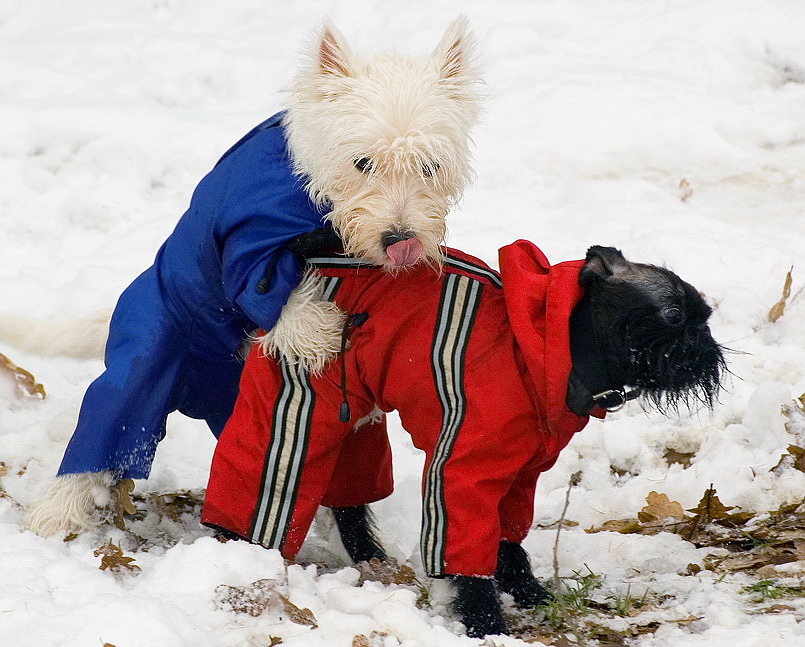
point(458, 305)
point(285, 454)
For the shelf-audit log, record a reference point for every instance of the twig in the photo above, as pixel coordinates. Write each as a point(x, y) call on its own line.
point(575, 479)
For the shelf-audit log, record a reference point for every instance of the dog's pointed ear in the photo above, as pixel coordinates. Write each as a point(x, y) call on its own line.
point(601, 263)
point(333, 54)
point(455, 53)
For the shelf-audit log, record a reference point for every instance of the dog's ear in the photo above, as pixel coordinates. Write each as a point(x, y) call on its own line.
point(333, 54)
point(455, 52)
point(601, 263)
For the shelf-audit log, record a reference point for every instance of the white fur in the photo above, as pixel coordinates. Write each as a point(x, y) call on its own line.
point(83, 338)
point(308, 330)
point(410, 117)
point(69, 504)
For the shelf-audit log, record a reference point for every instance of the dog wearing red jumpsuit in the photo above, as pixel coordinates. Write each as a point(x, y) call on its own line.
point(477, 369)
point(479, 366)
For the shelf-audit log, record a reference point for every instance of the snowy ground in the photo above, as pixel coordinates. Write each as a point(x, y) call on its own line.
point(673, 130)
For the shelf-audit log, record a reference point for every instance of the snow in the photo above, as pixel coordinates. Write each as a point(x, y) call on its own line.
point(596, 113)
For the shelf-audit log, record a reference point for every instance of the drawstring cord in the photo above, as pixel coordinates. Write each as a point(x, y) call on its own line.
point(354, 320)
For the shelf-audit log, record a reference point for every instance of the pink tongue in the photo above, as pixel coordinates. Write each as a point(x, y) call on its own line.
point(406, 252)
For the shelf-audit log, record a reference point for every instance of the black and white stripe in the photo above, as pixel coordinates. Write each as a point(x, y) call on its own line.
point(285, 454)
point(336, 261)
point(478, 271)
point(457, 308)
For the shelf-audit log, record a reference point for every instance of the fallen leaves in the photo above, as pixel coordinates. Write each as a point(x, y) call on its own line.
point(258, 597)
point(749, 544)
point(659, 508)
point(26, 382)
point(658, 515)
point(386, 572)
point(684, 189)
point(113, 559)
point(122, 502)
point(778, 308)
point(374, 639)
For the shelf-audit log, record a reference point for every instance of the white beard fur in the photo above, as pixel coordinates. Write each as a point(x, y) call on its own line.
point(409, 119)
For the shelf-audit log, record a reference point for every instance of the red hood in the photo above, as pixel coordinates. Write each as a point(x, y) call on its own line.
point(539, 299)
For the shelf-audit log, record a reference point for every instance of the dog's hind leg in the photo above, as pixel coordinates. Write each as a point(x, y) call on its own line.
point(478, 606)
point(515, 577)
point(357, 530)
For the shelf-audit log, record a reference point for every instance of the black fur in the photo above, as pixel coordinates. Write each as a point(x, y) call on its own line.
point(477, 604)
point(653, 332)
point(515, 577)
point(356, 527)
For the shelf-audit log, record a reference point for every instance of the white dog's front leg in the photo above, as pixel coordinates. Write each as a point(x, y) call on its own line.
point(69, 503)
point(309, 328)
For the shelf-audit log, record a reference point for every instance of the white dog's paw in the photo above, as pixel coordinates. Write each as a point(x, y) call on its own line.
point(70, 503)
point(309, 329)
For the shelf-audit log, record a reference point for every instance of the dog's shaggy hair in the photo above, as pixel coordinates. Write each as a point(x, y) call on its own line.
point(385, 143)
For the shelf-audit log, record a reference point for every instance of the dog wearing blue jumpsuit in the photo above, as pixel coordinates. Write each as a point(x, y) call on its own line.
point(175, 332)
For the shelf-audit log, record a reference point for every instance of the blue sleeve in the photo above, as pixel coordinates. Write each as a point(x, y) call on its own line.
point(262, 206)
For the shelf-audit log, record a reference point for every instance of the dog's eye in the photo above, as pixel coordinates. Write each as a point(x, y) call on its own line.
point(429, 170)
point(364, 164)
point(673, 316)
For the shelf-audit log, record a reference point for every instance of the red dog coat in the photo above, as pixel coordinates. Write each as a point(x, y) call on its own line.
point(477, 365)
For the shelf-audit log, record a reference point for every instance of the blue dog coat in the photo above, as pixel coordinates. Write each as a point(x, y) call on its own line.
point(175, 332)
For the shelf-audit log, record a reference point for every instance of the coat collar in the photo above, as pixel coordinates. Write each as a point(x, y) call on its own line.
point(540, 298)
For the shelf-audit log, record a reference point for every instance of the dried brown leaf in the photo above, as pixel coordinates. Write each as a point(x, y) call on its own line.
point(26, 382)
point(258, 596)
point(113, 559)
point(685, 189)
point(122, 502)
point(274, 640)
point(659, 508)
point(374, 639)
point(794, 457)
point(778, 308)
point(623, 526)
point(710, 507)
point(295, 614)
point(680, 458)
point(386, 571)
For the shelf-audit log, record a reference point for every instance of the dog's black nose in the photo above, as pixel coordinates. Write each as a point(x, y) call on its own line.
point(392, 237)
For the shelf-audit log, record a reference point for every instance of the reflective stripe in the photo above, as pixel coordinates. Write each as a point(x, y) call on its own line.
point(457, 308)
point(337, 261)
point(285, 455)
point(471, 268)
point(480, 271)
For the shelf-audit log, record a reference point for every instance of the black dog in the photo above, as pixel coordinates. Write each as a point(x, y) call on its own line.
point(512, 364)
point(638, 326)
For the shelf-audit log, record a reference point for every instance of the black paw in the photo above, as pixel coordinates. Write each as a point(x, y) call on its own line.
point(514, 576)
point(477, 604)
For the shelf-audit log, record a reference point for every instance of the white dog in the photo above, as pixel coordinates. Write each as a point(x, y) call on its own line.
point(384, 143)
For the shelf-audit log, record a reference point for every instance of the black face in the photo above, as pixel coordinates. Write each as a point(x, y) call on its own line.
point(652, 327)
